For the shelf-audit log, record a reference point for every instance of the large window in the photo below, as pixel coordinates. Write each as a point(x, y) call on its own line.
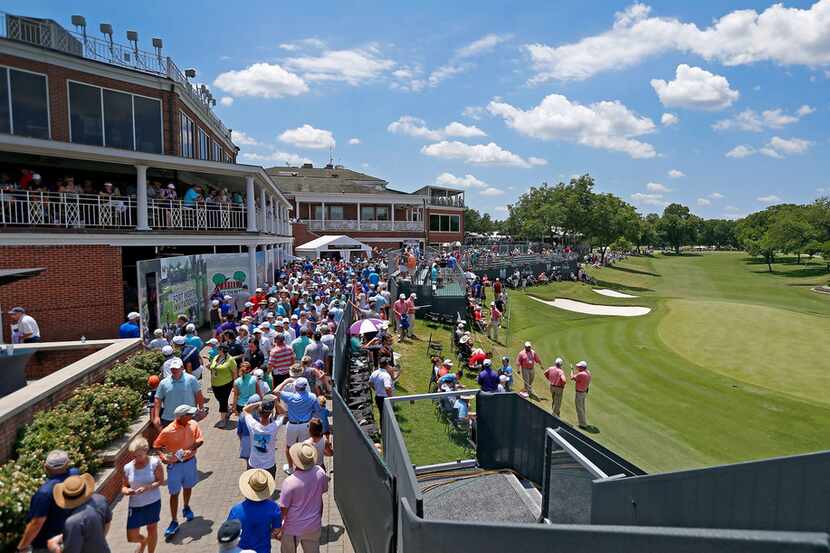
point(147, 124)
point(333, 212)
point(188, 135)
point(203, 144)
point(24, 106)
point(374, 213)
point(217, 151)
point(444, 223)
point(103, 117)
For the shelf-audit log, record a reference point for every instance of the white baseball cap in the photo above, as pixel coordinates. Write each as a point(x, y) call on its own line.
point(176, 363)
point(178, 340)
point(167, 350)
point(190, 327)
point(215, 302)
point(582, 365)
point(158, 332)
point(528, 345)
point(558, 361)
point(133, 315)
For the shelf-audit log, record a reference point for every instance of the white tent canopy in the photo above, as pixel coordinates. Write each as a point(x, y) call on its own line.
point(326, 246)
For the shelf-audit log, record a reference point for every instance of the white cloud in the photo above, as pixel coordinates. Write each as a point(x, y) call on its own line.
point(354, 141)
point(537, 161)
point(703, 202)
point(770, 199)
point(446, 71)
point(657, 187)
point(695, 88)
point(787, 36)
point(408, 78)
point(716, 196)
point(226, 101)
point(491, 191)
point(481, 46)
point(413, 126)
point(750, 120)
point(478, 154)
point(308, 137)
point(473, 112)
point(356, 66)
point(669, 119)
point(467, 181)
point(264, 80)
point(501, 209)
point(740, 151)
point(676, 174)
point(608, 125)
point(786, 147)
point(276, 157)
point(649, 199)
point(241, 139)
point(311, 42)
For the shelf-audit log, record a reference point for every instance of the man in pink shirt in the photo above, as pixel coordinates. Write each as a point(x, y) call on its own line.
point(556, 377)
point(410, 310)
point(582, 381)
point(399, 308)
point(526, 360)
point(301, 501)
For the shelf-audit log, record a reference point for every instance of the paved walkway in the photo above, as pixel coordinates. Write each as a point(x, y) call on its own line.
point(219, 470)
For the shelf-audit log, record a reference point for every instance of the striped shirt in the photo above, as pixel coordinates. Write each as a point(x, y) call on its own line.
point(281, 359)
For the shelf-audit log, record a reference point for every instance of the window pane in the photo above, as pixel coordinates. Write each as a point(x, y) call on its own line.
point(336, 212)
point(84, 114)
point(434, 223)
point(118, 119)
point(382, 213)
point(454, 223)
point(147, 125)
point(5, 120)
point(367, 213)
point(445, 223)
point(318, 212)
point(203, 145)
point(29, 111)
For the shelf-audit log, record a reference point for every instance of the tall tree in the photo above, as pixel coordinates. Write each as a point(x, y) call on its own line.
point(610, 219)
point(790, 232)
point(678, 227)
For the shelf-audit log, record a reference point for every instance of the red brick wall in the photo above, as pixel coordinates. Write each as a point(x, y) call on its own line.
point(57, 77)
point(44, 363)
point(80, 293)
point(302, 235)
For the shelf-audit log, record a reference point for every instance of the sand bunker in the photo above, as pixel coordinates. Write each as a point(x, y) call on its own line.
point(613, 293)
point(591, 309)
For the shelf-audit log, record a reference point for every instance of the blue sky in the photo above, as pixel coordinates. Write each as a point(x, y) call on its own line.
point(496, 97)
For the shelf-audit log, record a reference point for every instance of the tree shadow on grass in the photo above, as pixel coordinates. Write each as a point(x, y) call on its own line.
point(633, 271)
point(609, 284)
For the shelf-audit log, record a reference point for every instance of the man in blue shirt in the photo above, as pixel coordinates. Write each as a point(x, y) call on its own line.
point(258, 514)
point(46, 519)
point(130, 329)
point(192, 195)
point(488, 379)
point(179, 388)
point(302, 406)
point(191, 338)
point(507, 371)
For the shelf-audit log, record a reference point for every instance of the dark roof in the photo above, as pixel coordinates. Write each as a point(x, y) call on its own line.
point(7, 276)
point(327, 181)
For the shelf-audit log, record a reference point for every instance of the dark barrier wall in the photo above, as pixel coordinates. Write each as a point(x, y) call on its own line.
point(564, 267)
point(398, 461)
point(511, 434)
point(341, 346)
point(788, 493)
point(416, 535)
point(364, 489)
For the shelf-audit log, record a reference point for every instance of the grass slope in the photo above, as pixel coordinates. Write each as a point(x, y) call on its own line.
point(729, 365)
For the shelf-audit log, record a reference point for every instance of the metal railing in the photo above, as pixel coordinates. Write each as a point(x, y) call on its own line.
point(67, 210)
point(445, 201)
point(175, 214)
point(379, 226)
point(49, 34)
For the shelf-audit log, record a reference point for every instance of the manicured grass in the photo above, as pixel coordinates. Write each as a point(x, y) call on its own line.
point(730, 365)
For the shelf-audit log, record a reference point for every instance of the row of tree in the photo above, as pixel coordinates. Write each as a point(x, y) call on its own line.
point(574, 213)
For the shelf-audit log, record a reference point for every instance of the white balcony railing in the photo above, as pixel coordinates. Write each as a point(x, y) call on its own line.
point(377, 226)
point(54, 209)
point(174, 214)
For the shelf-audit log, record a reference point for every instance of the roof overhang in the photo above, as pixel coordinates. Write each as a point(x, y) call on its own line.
point(7, 276)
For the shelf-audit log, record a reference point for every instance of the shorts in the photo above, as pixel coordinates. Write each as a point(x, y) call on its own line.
point(272, 470)
point(245, 446)
point(296, 433)
point(182, 475)
point(138, 517)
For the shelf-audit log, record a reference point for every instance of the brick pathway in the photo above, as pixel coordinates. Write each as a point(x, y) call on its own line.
point(219, 470)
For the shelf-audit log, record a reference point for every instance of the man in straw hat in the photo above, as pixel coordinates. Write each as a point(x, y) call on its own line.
point(177, 444)
point(301, 501)
point(45, 517)
point(259, 515)
point(89, 517)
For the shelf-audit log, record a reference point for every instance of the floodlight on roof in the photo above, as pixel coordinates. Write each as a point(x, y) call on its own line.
point(79, 21)
point(132, 36)
point(106, 29)
point(157, 43)
point(190, 73)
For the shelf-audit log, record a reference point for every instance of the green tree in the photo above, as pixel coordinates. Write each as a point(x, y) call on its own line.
point(790, 232)
point(753, 235)
point(610, 219)
point(622, 245)
point(825, 253)
point(678, 227)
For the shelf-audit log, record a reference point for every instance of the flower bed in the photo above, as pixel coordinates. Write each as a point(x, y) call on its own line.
point(82, 425)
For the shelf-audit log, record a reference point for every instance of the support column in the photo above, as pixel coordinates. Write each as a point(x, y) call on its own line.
point(251, 205)
point(142, 212)
point(323, 214)
point(358, 215)
point(392, 208)
point(262, 197)
point(252, 277)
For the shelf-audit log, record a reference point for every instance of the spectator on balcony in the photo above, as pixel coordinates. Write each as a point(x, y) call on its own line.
point(24, 328)
point(68, 186)
point(131, 328)
point(88, 187)
point(109, 190)
point(193, 195)
point(154, 190)
point(169, 193)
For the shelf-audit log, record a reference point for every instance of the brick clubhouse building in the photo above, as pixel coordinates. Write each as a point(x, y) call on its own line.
point(110, 154)
point(334, 200)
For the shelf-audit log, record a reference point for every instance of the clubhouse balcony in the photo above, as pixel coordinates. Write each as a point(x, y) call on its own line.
point(365, 226)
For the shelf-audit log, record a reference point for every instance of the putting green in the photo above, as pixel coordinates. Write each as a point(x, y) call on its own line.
point(769, 347)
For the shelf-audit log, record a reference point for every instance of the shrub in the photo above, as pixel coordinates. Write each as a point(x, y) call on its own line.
point(113, 408)
point(17, 485)
point(149, 361)
point(61, 428)
point(129, 376)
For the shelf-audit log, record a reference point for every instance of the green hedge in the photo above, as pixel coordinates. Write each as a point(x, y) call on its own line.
point(82, 425)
